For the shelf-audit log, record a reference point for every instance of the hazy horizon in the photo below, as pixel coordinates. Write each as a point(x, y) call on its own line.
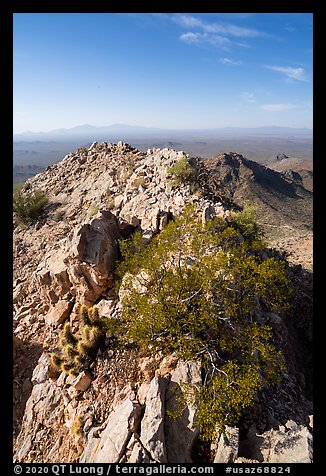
point(168, 71)
point(177, 129)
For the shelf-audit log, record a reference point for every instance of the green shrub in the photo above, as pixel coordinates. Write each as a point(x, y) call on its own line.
point(138, 182)
point(28, 205)
point(182, 171)
point(194, 290)
point(93, 210)
point(244, 221)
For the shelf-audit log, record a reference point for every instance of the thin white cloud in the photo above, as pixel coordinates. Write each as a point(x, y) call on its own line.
point(215, 40)
point(190, 37)
point(187, 21)
point(290, 72)
point(278, 107)
point(229, 61)
point(228, 29)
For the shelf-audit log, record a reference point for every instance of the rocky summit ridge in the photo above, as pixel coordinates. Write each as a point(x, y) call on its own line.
point(116, 412)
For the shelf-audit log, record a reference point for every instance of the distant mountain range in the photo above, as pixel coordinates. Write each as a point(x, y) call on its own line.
point(87, 131)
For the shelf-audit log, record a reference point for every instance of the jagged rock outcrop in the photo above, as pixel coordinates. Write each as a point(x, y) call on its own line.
point(112, 444)
point(82, 269)
point(117, 410)
point(291, 443)
point(181, 432)
point(151, 436)
point(227, 446)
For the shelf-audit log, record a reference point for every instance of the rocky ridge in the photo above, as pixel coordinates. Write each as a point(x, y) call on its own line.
point(97, 196)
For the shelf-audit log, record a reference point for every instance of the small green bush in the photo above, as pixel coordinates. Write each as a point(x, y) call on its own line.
point(138, 181)
point(28, 206)
point(244, 221)
point(93, 210)
point(182, 171)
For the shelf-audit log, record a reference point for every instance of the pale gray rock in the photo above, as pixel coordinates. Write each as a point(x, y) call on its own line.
point(152, 425)
point(82, 381)
point(40, 373)
point(112, 443)
point(83, 266)
point(181, 433)
point(105, 307)
point(295, 446)
point(118, 201)
point(43, 408)
point(282, 445)
point(138, 455)
point(227, 446)
point(96, 242)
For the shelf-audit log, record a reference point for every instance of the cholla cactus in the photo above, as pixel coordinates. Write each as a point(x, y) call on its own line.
point(85, 332)
point(69, 350)
point(76, 351)
point(56, 360)
point(83, 348)
point(68, 367)
point(70, 338)
point(83, 312)
point(95, 337)
point(94, 315)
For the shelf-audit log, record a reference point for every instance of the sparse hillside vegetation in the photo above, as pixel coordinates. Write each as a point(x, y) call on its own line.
point(245, 222)
point(182, 171)
point(28, 205)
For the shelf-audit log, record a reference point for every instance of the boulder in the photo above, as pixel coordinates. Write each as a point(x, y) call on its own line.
point(113, 441)
point(293, 446)
point(59, 313)
point(40, 373)
point(82, 381)
point(82, 267)
point(228, 446)
point(291, 443)
point(44, 409)
point(181, 433)
point(96, 243)
point(152, 425)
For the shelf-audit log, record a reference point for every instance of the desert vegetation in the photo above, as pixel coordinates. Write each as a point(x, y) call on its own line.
point(28, 205)
point(196, 290)
point(182, 172)
point(76, 350)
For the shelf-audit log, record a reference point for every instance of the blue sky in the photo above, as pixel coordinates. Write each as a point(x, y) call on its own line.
point(162, 70)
